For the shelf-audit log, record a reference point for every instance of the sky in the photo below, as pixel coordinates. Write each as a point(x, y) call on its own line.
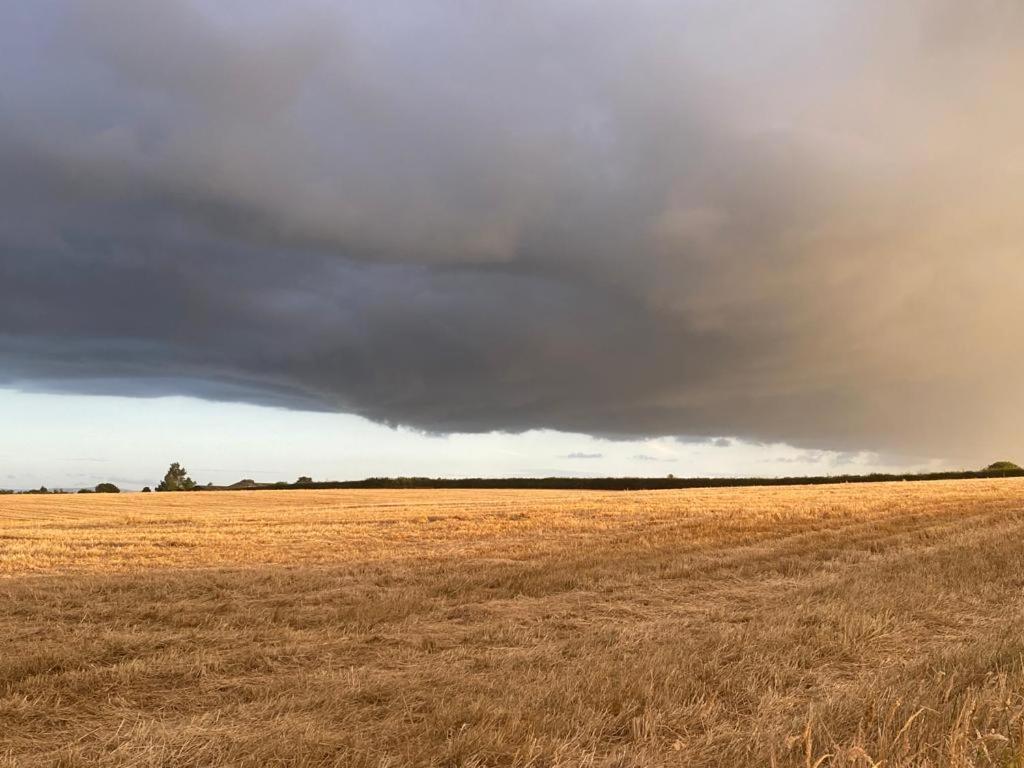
point(83, 441)
point(448, 238)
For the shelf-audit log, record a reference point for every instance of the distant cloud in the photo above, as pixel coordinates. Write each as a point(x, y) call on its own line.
point(785, 460)
point(800, 457)
point(578, 455)
point(647, 457)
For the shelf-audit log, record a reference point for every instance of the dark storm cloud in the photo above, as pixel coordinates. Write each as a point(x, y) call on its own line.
point(797, 222)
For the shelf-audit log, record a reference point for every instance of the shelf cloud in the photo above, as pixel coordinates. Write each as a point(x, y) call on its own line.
point(795, 222)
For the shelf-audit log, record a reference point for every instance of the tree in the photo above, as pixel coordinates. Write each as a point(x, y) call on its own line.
point(147, 489)
point(107, 488)
point(1002, 466)
point(304, 480)
point(176, 479)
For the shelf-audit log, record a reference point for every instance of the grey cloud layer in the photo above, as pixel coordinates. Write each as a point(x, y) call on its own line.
point(800, 222)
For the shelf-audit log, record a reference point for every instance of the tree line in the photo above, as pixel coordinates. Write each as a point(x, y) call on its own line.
point(177, 479)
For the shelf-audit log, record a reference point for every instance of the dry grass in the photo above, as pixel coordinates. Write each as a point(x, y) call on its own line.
point(842, 625)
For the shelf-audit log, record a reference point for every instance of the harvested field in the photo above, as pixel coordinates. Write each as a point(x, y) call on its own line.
point(843, 625)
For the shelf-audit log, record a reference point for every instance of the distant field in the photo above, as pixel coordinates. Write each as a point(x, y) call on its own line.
point(842, 625)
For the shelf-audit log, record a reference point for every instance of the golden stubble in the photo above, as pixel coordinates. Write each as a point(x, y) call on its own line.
point(840, 625)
